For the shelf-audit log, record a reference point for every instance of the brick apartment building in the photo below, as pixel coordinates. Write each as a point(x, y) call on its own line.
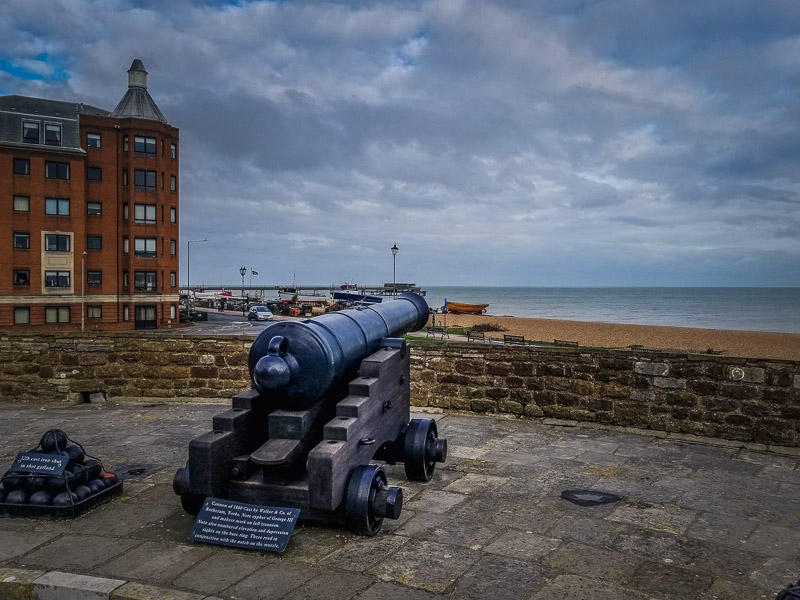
point(88, 213)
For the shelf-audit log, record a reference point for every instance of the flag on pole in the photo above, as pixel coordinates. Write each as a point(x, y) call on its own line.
point(253, 272)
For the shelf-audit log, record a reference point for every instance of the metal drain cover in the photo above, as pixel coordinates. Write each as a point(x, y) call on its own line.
point(589, 497)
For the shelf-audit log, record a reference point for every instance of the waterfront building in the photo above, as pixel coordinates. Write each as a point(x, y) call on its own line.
point(89, 209)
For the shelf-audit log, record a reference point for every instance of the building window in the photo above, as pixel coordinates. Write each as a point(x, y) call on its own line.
point(94, 312)
point(22, 277)
point(94, 277)
point(22, 239)
point(125, 280)
point(22, 315)
point(22, 166)
point(94, 208)
point(94, 242)
point(126, 313)
point(173, 247)
point(56, 206)
point(94, 173)
point(52, 134)
point(30, 132)
point(173, 183)
point(56, 170)
point(54, 242)
point(93, 140)
point(22, 204)
point(144, 281)
point(124, 143)
point(144, 213)
point(125, 177)
point(125, 212)
point(126, 245)
point(144, 247)
point(53, 279)
point(144, 180)
point(56, 314)
point(173, 279)
point(172, 311)
point(144, 146)
point(173, 215)
point(173, 151)
point(145, 317)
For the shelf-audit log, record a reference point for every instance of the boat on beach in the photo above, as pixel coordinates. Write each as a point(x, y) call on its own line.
point(463, 308)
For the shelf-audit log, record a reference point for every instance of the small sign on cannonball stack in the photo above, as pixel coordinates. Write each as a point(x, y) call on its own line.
point(56, 478)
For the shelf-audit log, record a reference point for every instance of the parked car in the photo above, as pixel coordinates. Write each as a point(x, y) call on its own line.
point(259, 313)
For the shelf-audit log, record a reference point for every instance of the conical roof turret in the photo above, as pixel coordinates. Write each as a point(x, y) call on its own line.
point(137, 102)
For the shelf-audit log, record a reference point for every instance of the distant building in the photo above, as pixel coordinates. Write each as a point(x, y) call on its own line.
point(88, 213)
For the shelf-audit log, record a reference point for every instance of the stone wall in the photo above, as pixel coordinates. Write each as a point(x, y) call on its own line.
point(740, 399)
point(69, 366)
point(734, 398)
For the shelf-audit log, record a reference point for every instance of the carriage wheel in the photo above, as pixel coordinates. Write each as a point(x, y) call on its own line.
point(369, 500)
point(422, 449)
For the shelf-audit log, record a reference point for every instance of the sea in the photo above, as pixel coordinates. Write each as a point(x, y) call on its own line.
point(736, 308)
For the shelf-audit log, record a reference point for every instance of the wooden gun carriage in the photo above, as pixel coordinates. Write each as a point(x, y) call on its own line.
point(330, 395)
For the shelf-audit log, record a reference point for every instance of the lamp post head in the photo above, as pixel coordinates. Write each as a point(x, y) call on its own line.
point(394, 250)
point(242, 271)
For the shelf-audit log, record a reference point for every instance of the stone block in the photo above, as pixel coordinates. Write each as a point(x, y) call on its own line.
point(669, 382)
point(651, 369)
point(704, 387)
point(57, 585)
point(514, 382)
point(17, 584)
point(204, 372)
point(139, 591)
point(532, 410)
point(499, 368)
point(497, 393)
point(613, 390)
point(581, 387)
point(470, 366)
point(509, 406)
point(746, 374)
point(483, 405)
point(681, 399)
point(739, 391)
point(524, 369)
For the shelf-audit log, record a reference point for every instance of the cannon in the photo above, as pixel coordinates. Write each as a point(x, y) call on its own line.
point(329, 402)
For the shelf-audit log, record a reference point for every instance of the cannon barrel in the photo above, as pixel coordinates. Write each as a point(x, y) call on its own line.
point(297, 362)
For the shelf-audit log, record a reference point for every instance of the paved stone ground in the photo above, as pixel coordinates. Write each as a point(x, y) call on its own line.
point(696, 521)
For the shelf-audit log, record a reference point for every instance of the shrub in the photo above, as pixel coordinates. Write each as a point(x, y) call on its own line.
point(486, 327)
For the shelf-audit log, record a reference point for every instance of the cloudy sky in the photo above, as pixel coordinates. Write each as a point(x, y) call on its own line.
point(497, 142)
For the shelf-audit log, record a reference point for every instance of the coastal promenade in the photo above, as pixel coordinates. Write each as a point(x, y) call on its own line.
point(697, 519)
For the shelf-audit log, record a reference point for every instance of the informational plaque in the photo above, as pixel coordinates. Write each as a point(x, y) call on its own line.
point(252, 526)
point(39, 462)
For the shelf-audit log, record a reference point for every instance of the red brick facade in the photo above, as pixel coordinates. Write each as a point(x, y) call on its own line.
point(101, 234)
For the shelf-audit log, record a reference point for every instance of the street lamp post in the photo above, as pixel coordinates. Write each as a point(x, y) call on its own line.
point(83, 294)
point(242, 271)
point(394, 268)
point(188, 285)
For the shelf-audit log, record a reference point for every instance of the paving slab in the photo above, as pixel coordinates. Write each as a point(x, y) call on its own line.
point(696, 521)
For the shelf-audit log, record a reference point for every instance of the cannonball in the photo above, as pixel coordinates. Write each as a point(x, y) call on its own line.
point(39, 482)
point(80, 475)
point(65, 499)
point(56, 484)
point(75, 453)
point(40, 498)
point(110, 478)
point(93, 468)
point(83, 492)
point(53, 439)
point(97, 486)
point(17, 497)
point(14, 480)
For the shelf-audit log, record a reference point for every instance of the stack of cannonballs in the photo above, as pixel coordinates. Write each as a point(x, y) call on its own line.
point(83, 478)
